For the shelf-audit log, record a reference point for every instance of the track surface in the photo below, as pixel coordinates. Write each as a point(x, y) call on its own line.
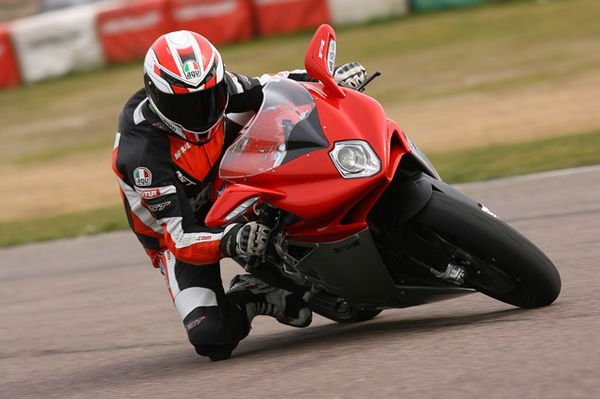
point(90, 318)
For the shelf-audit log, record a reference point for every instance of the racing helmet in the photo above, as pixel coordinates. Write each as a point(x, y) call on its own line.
point(185, 83)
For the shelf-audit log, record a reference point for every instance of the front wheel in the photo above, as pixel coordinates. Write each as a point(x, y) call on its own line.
point(496, 259)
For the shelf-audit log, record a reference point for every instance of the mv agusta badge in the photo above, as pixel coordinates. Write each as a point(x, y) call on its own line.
point(142, 177)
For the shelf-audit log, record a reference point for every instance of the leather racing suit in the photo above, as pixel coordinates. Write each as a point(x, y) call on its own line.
point(165, 184)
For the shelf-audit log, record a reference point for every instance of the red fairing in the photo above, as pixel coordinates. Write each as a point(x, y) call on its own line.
point(329, 206)
point(320, 59)
point(234, 196)
point(287, 149)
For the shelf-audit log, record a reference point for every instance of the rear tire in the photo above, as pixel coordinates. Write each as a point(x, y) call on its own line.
point(499, 247)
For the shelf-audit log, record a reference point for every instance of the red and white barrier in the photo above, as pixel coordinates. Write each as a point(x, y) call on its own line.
point(355, 11)
point(127, 30)
point(56, 43)
point(9, 67)
point(220, 21)
point(285, 16)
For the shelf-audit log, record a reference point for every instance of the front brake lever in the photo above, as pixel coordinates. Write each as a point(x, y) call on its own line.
point(368, 80)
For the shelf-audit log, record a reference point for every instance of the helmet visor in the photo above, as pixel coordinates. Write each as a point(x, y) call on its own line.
point(197, 111)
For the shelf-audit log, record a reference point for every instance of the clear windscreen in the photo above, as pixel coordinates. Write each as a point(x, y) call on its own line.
point(285, 122)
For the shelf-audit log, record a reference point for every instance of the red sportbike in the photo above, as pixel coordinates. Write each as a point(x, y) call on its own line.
point(361, 219)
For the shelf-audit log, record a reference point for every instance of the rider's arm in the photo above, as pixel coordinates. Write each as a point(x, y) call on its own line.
point(245, 93)
point(156, 202)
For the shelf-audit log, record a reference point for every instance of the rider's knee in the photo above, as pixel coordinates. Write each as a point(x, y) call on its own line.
point(209, 329)
point(204, 326)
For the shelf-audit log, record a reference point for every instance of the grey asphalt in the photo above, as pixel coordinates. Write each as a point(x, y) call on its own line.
point(90, 317)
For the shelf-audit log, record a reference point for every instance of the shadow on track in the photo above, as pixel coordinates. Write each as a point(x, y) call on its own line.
point(337, 334)
point(184, 362)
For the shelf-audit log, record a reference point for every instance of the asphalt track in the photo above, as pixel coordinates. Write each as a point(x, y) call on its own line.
point(90, 318)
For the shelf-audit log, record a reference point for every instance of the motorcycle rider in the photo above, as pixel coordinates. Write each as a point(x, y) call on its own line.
point(171, 136)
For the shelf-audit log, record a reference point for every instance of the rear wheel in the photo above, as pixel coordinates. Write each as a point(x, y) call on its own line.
point(495, 259)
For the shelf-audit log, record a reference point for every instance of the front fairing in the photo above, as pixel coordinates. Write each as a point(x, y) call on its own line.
point(328, 206)
point(285, 127)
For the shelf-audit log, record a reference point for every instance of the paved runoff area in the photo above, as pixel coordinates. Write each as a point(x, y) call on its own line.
point(91, 318)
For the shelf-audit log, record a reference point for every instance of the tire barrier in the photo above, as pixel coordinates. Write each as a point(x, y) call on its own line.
point(220, 21)
point(286, 16)
point(127, 30)
point(9, 68)
point(112, 31)
point(56, 43)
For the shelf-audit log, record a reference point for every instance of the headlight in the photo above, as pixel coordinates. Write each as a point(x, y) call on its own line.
point(355, 158)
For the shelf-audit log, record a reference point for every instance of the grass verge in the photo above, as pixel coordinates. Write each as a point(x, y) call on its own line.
point(62, 226)
point(455, 167)
point(492, 48)
point(519, 158)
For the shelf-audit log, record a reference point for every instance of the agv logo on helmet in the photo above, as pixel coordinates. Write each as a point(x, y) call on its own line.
point(192, 70)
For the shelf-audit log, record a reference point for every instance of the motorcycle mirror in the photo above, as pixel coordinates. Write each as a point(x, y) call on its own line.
point(319, 60)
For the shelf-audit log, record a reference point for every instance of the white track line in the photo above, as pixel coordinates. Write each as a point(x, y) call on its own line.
point(536, 176)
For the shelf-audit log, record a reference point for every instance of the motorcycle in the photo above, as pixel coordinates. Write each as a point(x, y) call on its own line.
point(361, 220)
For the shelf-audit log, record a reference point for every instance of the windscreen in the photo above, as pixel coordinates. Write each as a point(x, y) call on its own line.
point(285, 127)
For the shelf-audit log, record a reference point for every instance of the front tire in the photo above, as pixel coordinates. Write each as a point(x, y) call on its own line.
point(492, 253)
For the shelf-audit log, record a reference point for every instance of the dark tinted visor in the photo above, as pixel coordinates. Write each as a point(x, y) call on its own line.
point(197, 111)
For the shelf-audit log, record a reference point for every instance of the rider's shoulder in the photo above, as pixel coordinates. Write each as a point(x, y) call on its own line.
point(133, 119)
point(137, 148)
point(134, 101)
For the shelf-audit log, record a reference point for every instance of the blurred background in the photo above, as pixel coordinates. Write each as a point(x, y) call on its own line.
point(488, 88)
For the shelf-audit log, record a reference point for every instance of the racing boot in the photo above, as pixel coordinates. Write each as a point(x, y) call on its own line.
point(259, 298)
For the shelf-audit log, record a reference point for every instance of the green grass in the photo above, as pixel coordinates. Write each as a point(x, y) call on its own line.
point(62, 226)
point(520, 158)
point(506, 45)
point(454, 167)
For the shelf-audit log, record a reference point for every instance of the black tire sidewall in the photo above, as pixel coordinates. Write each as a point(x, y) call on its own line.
point(471, 229)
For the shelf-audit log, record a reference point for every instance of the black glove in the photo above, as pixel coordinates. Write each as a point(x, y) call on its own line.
point(350, 75)
point(248, 239)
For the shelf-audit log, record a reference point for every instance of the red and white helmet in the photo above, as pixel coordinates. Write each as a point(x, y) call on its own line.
point(184, 78)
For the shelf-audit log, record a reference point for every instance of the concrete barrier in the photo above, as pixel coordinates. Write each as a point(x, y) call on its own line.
point(356, 11)
point(56, 43)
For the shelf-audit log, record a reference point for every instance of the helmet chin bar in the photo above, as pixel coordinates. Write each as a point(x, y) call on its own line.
point(182, 132)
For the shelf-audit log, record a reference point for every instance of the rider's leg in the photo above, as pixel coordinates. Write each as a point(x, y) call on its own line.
point(214, 324)
point(259, 298)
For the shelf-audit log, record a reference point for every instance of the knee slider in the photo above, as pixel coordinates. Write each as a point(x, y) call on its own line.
point(203, 326)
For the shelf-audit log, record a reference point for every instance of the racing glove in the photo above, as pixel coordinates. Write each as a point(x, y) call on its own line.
point(247, 239)
point(350, 75)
